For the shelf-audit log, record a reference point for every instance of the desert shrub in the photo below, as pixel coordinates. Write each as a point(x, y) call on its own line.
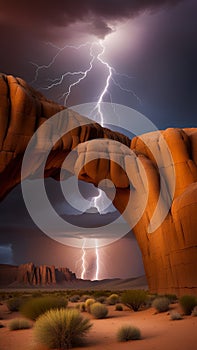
point(19, 323)
point(161, 304)
point(126, 333)
point(171, 297)
point(74, 298)
point(119, 307)
point(61, 329)
point(194, 311)
point(134, 299)
point(38, 306)
point(113, 299)
point(175, 316)
point(85, 297)
point(82, 307)
point(101, 300)
point(88, 303)
point(149, 300)
point(14, 304)
point(188, 302)
point(98, 310)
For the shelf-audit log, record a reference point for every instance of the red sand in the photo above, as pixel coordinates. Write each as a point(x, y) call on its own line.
point(158, 332)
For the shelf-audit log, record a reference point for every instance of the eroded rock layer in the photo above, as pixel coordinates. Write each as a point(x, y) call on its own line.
point(31, 275)
point(155, 177)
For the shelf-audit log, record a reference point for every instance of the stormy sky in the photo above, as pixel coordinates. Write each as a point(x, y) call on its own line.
point(152, 46)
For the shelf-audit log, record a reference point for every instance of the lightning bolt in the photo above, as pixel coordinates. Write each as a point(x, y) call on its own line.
point(54, 58)
point(112, 78)
point(97, 261)
point(83, 259)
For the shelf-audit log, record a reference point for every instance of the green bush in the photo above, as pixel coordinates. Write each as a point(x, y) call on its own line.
point(188, 302)
point(161, 304)
point(134, 299)
point(119, 307)
point(194, 311)
point(14, 304)
point(126, 333)
point(19, 323)
point(113, 299)
point(98, 310)
point(38, 306)
point(88, 303)
point(61, 329)
point(175, 316)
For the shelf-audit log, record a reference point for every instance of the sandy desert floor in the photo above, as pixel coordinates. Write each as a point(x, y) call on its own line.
point(158, 332)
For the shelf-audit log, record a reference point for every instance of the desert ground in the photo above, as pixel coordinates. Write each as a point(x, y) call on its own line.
point(158, 331)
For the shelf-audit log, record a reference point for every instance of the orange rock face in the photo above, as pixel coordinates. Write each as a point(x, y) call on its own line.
point(168, 242)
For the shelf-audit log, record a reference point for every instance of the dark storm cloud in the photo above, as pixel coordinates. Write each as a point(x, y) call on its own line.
point(45, 15)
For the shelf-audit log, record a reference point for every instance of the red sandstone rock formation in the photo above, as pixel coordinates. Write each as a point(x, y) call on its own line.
point(29, 274)
point(170, 252)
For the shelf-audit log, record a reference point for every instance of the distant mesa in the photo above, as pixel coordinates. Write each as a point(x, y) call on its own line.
point(31, 275)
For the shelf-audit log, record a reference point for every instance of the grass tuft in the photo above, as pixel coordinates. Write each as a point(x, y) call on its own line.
point(188, 302)
point(126, 333)
point(19, 323)
point(134, 299)
point(61, 329)
point(98, 310)
point(161, 304)
point(175, 316)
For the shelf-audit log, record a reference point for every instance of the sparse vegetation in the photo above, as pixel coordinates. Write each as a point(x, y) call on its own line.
point(101, 293)
point(188, 302)
point(113, 299)
point(19, 323)
point(175, 316)
point(37, 294)
point(126, 333)
point(119, 307)
point(98, 310)
point(61, 329)
point(134, 299)
point(35, 307)
point(161, 304)
point(14, 304)
point(74, 298)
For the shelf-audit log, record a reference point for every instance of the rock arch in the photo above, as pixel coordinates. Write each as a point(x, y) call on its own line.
point(170, 252)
